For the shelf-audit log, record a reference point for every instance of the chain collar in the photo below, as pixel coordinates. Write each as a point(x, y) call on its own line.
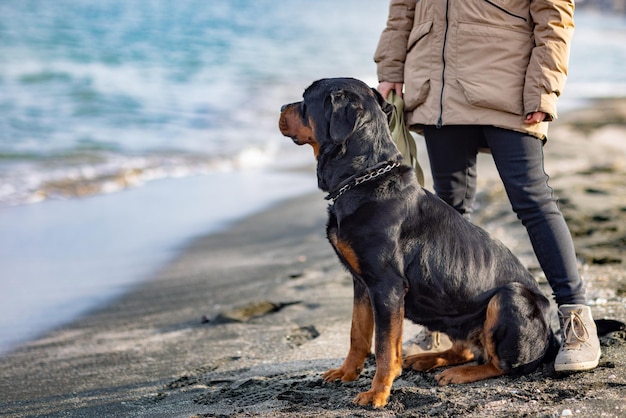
point(370, 174)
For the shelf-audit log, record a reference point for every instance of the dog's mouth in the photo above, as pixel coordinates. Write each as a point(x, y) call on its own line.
point(283, 126)
point(288, 124)
point(296, 140)
point(291, 125)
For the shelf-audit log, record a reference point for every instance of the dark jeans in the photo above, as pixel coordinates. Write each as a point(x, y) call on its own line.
point(452, 151)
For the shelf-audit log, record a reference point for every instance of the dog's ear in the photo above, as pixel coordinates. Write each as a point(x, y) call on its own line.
point(387, 107)
point(344, 115)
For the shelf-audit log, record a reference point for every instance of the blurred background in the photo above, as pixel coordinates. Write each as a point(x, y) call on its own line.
point(127, 128)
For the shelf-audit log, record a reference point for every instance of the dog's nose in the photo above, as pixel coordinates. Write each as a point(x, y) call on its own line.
point(282, 108)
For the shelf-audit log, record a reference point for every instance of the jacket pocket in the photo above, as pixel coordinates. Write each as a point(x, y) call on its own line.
point(491, 66)
point(417, 33)
point(417, 67)
point(508, 7)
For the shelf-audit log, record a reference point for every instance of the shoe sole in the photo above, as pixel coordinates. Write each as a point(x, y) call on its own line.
point(577, 367)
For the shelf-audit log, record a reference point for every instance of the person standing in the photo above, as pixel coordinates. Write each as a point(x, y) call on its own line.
point(479, 74)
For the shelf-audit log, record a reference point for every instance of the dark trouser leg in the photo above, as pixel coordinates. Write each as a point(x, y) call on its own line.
point(519, 158)
point(452, 154)
point(520, 162)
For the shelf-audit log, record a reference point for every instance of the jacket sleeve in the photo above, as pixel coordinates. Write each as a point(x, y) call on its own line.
point(391, 51)
point(547, 70)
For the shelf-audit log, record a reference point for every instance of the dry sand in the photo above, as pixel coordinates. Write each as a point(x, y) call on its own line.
point(243, 323)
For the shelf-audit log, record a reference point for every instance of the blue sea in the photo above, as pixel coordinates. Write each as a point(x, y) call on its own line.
point(127, 128)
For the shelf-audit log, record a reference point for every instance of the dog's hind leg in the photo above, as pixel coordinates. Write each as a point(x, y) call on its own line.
point(459, 353)
point(360, 338)
point(469, 373)
point(491, 367)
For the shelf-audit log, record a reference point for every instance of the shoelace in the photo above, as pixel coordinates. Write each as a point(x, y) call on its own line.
point(433, 337)
point(571, 327)
point(436, 339)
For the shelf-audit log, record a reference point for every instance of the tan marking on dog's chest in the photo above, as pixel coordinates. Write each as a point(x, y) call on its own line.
point(348, 254)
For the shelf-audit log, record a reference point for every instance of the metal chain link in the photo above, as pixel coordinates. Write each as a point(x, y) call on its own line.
point(373, 175)
point(366, 177)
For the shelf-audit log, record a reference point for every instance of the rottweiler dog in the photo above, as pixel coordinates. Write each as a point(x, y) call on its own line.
point(411, 255)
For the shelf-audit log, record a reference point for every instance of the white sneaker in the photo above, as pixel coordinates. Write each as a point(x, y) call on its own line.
point(426, 342)
point(580, 349)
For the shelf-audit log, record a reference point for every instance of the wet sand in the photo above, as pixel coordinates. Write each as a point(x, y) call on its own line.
point(244, 322)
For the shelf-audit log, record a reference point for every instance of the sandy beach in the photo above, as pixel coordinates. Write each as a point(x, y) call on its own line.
point(244, 322)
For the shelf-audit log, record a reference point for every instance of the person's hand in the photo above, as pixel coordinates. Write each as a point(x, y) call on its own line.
point(531, 118)
point(386, 86)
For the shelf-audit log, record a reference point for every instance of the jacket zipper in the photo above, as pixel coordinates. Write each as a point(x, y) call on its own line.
point(506, 11)
point(443, 54)
point(443, 71)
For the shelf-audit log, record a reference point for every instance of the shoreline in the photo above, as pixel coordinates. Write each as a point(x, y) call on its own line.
point(150, 353)
point(161, 320)
point(60, 259)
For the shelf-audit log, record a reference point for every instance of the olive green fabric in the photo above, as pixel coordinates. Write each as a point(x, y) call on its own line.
point(402, 136)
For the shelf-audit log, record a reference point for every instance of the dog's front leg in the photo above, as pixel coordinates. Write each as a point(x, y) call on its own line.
point(389, 314)
point(360, 337)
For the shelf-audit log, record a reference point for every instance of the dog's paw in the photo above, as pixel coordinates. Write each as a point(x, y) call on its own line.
point(343, 373)
point(422, 362)
point(447, 377)
point(456, 375)
point(468, 374)
point(377, 399)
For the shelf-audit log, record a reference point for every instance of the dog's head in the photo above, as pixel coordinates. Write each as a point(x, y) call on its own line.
point(347, 124)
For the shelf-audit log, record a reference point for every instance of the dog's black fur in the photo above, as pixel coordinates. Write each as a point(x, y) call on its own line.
point(410, 254)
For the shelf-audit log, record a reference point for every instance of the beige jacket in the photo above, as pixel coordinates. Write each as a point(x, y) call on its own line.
point(478, 62)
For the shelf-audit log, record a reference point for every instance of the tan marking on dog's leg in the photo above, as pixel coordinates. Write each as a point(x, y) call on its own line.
point(468, 374)
point(348, 255)
point(388, 364)
point(473, 373)
point(491, 321)
point(360, 342)
point(459, 353)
